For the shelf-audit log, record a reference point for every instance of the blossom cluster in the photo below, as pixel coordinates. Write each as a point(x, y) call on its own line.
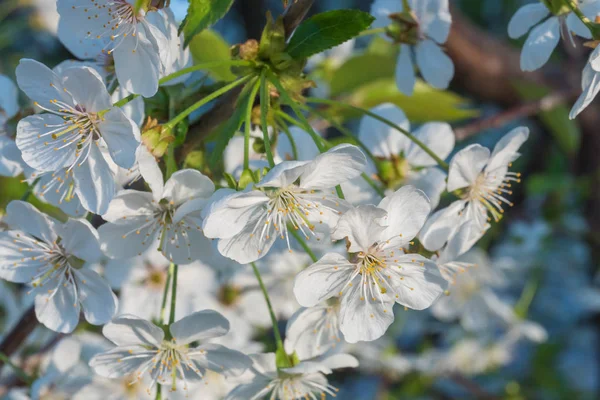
point(291, 226)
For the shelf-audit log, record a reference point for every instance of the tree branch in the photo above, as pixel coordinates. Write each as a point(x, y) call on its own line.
point(19, 333)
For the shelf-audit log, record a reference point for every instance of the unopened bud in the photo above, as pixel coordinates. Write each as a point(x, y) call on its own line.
point(249, 50)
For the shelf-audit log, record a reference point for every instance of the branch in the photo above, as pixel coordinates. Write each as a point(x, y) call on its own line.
point(222, 111)
point(19, 333)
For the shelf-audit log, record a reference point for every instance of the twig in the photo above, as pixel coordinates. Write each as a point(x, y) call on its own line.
point(19, 333)
point(533, 108)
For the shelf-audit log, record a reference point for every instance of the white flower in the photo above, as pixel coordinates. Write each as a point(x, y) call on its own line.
point(305, 380)
point(449, 259)
point(80, 119)
point(112, 27)
point(379, 272)
point(484, 183)
point(49, 255)
point(170, 215)
point(295, 193)
point(168, 355)
point(409, 164)
point(424, 28)
point(471, 299)
point(544, 36)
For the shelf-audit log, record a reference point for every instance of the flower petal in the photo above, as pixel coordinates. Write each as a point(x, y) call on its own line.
point(540, 44)
point(94, 182)
point(407, 209)
point(118, 363)
point(381, 139)
point(40, 84)
point(8, 97)
point(590, 83)
point(24, 216)
point(97, 299)
point(525, 18)
point(78, 237)
point(405, 71)
point(87, 88)
point(220, 359)
point(122, 137)
point(227, 216)
point(137, 64)
point(418, 283)
point(199, 326)
point(186, 185)
point(129, 330)
point(506, 150)
point(466, 165)
point(337, 165)
point(58, 310)
point(361, 226)
point(435, 65)
point(324, 279)
point(438, 137)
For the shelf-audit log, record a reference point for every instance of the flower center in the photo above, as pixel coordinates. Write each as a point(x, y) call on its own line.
point(490, 190)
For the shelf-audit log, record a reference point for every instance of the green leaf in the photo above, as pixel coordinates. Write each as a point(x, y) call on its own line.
point(208, 46)
point(326, 30)
point(203, 14)
point(360, 70)
point(448, 107)
point(229, 128)
point(565, 131)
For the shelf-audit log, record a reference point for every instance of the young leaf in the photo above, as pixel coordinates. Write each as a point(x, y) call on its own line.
point(203, 14)
point(326, 30)
point(209, 46)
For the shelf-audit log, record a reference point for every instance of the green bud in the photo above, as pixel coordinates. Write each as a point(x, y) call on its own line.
point(272, 40)
point(194, 160)
point(259, 146)
point(247, 178)
point(230, 181)
point(404, 28)
point(282, 61)
point(282, 359)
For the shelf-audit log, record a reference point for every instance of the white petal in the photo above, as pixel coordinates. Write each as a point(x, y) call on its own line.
point(95, 184)
point(434, 18)
point(122, 240)
point(361, 226)
point(134, 110)
point(23, 216)
point(246, 246)
point(87, 88)
point(407, 209)
point(435, 66)
point(8, 97)
point(381, 139)
point(186, 185)
point(97, 300)
point(306, 148)
point(11, 162)
point(13, 266)
point(312, 331)
point(337, 165)
point(39, 150)
point(228, 216)
point(283, 174)
point(122, 137)
point(222, 360)
point(405, 71)
point(432, 181)
point(438, 137)
point(41, 84)
point(324, 279)
point(129, 330)
point(199, 326)
point(461, 242)
point(366, 319)
point(137, 64)
point(129, 203)
point(525, 18)
point(590, 82)
point(337, 361)
point(118, 363)
point(440, 227)
point(506, 150)
point(418, 283)
point(80, 239)
point(58, 311)
point(539, 44)
point(184, 247)
point(466, 165)
point(150, 171)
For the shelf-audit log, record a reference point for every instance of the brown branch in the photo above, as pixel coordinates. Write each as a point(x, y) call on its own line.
point(292, 16)
point(524, 110)
point(19, 333)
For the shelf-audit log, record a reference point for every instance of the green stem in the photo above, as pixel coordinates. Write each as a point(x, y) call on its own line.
point(303, 244)
point(276, 332)
point(386, 121)
point(248, 124)
point(264, 110)
point(184, 114)
point(374, 185)
point(163, 306)
point(173, 268)
point(184, 71)
point(374, 31)
point(29, 190)
point(593, 27)
point(18, 371)
point(170, 160)
point(529, 291)
point(287, 132)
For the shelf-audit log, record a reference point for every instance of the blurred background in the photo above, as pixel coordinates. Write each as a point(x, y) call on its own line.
point(545, 253)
